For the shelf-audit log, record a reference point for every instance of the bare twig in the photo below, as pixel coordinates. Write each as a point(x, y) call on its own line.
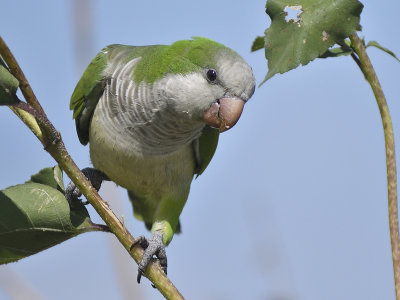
point(369, 73)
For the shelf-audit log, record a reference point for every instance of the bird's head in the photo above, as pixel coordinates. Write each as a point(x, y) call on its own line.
point(231, 84)
point(206, 82)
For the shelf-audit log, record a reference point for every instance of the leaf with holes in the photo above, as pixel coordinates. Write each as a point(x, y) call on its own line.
point(35, 216)
point(311, 31)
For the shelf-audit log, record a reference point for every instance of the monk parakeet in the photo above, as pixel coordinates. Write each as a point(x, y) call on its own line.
point(152, 115)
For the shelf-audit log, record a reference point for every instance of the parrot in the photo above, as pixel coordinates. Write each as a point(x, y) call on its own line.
point(152, 116)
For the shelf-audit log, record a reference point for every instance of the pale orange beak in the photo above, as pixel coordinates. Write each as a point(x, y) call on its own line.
point(224, 113)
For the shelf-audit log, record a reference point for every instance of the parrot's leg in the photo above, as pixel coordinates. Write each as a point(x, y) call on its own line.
point(154, 246)
point(96, 177)
point(166, 219)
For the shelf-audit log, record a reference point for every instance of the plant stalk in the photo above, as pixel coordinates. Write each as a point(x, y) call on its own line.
point(370, 75)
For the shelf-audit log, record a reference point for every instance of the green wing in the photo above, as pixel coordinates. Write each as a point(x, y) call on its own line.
point(87, 93)
point(208, 142)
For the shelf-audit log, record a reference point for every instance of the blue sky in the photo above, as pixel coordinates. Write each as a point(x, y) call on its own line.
point(294, 203)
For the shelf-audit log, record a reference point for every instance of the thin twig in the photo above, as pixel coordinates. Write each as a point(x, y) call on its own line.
point(370, 75)
point(58, 151)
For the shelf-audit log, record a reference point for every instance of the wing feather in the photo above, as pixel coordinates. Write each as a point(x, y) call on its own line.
point(205, 148)
point(87, 93)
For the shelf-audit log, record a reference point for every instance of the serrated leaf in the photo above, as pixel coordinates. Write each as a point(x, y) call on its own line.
point(258, 44)
point(36, 216)
point(379, 46)
point(317, 26)
point(51, 177)
point(8, 86)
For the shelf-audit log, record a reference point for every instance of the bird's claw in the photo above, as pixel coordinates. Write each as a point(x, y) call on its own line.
point(154, 246)
point(72, 192)
point(142, 241)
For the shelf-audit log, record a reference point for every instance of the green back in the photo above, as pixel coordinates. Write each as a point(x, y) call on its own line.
point(181, 57)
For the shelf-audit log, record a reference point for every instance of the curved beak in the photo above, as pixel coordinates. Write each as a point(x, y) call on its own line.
point(224, 113)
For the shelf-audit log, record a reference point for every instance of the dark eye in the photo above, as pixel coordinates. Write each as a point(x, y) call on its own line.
point(212, 75)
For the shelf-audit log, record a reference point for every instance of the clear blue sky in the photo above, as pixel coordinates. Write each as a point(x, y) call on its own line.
point(294, 203)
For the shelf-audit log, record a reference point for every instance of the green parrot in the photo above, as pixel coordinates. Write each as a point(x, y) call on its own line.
point(152, 115)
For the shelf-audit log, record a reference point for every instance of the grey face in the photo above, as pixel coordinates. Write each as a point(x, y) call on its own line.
point(214, 95)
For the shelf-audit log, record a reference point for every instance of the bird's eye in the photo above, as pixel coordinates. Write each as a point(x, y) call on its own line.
point(212, 75)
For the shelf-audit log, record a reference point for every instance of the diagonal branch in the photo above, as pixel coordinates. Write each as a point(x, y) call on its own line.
point(369, 73)
point(57, 150)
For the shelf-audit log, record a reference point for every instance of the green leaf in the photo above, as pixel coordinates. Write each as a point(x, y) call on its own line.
point(8, 85)
point(316, 26)
point(336, 52)
point(51, 177)
point(35, 216)
point(379, 46)
point(258, 44)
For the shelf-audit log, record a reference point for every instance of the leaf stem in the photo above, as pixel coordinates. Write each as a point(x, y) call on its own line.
point(29, 121)
point(57, 150)
point(369, 73)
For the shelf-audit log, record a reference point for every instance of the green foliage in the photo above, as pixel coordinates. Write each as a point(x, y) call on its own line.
point(318, 25)
point(258, 43)
point(51, 177)
point(337, 51)
point(8, 85)
point(343, 50)
point(379, 46)
point(35, 216)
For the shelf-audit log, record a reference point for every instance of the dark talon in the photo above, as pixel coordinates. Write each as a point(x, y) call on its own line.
point(141, 240)
point(96, 177)
point(139, 276)
point(152, 247)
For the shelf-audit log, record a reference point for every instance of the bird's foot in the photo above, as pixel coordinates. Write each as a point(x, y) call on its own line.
point(96, 177)
point(154, 246)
